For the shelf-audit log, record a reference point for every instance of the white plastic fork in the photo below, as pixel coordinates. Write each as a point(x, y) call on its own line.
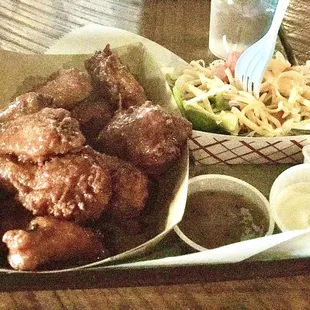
point(252, 63)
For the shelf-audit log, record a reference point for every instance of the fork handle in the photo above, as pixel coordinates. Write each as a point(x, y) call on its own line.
point(278, 17)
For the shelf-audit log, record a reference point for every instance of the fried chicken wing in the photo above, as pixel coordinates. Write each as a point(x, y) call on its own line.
point(129, 185)
point(25, 104)
point(113, 80)
point(147, 136)
point(72, 186)
point(37, 136)
point(77, 186)
point(66, 87)
point(51, 240)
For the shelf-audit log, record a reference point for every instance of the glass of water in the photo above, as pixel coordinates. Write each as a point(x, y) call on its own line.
point(236, 24)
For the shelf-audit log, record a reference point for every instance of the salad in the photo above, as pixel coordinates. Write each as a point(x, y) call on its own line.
point(209, 96)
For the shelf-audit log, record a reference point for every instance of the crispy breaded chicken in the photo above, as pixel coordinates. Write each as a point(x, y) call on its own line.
point(46, 166)
point(78, 186)
point(51, 240)
point(129, 185)
point(40, 135)
point(27, 103)
point(113, 80)
point(147, 136)
point(72, 187)
point(66, 87)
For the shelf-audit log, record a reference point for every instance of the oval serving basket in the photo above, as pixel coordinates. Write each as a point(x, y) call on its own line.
point(167, 205)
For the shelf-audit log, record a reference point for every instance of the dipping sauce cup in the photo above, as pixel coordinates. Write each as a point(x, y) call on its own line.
point(220, 210)
point(237, 24)
point(290, 198)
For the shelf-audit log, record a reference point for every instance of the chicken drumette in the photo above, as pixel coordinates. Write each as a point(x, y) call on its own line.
point(147, 136)
point(129, 185)
point(73, 187)
point(76, 186)
point(25, 104)
point(66, 87)
point(112, 79)
point(51, 240)
point(40, 135)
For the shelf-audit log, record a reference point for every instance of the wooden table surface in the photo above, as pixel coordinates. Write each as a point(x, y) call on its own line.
point(181, 26)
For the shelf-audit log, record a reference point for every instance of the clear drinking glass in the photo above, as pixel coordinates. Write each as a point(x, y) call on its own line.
point(236, 24)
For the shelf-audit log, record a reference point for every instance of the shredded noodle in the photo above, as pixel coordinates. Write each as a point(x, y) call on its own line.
point(284, 96)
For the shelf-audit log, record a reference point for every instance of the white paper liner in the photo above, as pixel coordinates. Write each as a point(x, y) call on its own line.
point(293, 244)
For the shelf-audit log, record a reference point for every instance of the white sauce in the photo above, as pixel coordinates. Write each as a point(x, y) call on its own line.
point(293, 206)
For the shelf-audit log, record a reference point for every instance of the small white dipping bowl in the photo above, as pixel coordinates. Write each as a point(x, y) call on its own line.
point(224, 183)
point(290, 198)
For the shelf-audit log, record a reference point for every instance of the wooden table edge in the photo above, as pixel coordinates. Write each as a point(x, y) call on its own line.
point(101, 277)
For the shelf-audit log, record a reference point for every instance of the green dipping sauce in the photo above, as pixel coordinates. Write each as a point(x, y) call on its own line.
point(216, 218)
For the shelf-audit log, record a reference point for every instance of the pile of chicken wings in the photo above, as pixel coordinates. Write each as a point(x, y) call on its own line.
point(82, 145)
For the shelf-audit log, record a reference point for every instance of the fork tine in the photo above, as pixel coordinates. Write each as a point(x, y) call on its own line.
point(247, 65)
point(253, 70)
point(241, 70)
point(259, 74)
point(249, 76)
